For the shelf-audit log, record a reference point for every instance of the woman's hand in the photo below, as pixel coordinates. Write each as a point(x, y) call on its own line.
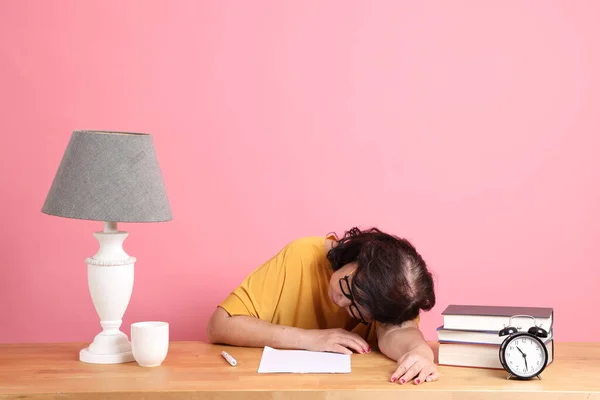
point(334, 340)
point(417, 364)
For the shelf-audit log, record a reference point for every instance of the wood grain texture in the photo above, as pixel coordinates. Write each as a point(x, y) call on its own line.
point(195, 370)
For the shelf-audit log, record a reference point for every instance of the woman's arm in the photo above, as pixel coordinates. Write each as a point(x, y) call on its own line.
point(249, 331)
point(406, 345)
point(395, 341)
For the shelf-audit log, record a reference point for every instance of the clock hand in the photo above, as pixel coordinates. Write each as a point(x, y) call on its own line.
point(521, 351)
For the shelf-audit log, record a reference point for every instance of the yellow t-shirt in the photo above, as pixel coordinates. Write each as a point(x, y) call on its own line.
point(292, 289)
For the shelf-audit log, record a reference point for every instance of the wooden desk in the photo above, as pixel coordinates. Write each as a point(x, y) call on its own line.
point(195, 370)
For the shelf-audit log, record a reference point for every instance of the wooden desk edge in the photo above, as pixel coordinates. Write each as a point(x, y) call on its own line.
point(313, 394)
point(425, 391)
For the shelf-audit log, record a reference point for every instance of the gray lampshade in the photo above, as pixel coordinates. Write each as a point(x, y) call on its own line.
point(109, 176)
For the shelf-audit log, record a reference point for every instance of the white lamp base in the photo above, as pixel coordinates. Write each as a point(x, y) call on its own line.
point(110, 280)
point(87, 356)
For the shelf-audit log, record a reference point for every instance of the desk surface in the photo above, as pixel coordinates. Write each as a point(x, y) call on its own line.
point(195, 370)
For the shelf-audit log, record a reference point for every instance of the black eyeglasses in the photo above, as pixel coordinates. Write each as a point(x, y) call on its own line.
point(345, 286)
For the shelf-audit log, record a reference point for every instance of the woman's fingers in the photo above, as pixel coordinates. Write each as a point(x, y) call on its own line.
point(413, 366)
point(353, 341)
point(425, 373)
point(412, 372)
point(337, 348)
point(433, 377)
point(364, 346)
point(404, 363)
point(350, 343)
point(360, 341)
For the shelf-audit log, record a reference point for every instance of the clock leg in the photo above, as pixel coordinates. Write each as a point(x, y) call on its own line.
point(539, 377)
point(509, 376)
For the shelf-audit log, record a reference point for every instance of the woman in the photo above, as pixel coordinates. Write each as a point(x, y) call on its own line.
point(324, 294)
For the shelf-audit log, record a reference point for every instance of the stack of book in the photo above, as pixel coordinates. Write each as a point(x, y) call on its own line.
point(469, 336)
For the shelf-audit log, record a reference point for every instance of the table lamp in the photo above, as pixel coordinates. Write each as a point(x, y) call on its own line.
point(111, 177)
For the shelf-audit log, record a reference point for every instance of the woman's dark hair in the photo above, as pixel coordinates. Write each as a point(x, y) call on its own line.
point(391, 281)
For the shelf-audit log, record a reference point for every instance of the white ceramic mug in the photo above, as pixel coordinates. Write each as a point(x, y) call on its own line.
point(150, 342)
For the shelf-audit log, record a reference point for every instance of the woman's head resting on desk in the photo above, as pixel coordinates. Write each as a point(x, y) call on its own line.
point(379, 277)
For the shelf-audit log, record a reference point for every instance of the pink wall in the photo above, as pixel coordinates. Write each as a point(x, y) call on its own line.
point(471, 128)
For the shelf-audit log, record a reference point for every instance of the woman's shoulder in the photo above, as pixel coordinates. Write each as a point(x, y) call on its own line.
point(308, 243)
point(309, 246)
point(306, 256)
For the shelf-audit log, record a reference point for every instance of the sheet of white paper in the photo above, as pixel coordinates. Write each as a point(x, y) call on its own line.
point(303, 362)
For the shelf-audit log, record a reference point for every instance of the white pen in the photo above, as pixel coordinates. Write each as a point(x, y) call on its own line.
point(229, 359)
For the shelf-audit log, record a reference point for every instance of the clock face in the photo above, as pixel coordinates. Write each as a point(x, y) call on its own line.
point(524, 355)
